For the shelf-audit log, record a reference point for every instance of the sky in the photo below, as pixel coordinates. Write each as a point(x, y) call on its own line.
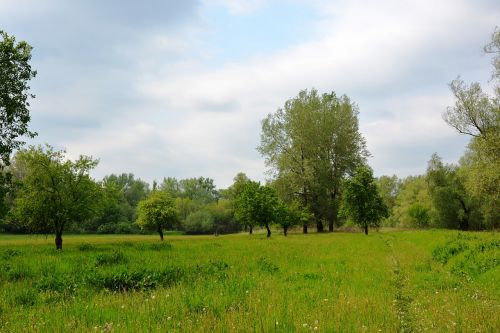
point(165, 88)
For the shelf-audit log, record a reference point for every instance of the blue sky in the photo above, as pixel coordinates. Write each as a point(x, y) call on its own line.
point(178, 88)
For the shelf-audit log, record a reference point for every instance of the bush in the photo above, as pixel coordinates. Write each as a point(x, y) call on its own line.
point(25, 297)
point(116, 257)
point(419, 215)
point(450, 249)
point(57, 283)
point(124, 280)
point(199, 222)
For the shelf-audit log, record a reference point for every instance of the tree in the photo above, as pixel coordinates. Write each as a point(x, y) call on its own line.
point(479, 171)
point(201, 190)
point(310, 146)
point(474, 112)
point(478, 114)
point(157, 212)
point(55, 193)
point(361, 200)
point(389, 187)
point(454, 206)
point(15, 74)
point(289, 215)
point(235, 190)
point(257, 204)
point(413, 205)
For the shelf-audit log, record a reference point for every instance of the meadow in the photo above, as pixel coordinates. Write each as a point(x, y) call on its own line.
point(388, 281)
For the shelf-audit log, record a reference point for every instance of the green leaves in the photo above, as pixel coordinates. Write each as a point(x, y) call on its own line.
point(15, 74)
point(310, 145)
point(54, 192)
point(157, 212)
point(361, 200)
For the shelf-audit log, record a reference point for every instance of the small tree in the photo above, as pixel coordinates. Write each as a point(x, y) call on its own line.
point(157, 212)
point(291, 215)
point(361, 200)
point(55, 192)
point(257, 204)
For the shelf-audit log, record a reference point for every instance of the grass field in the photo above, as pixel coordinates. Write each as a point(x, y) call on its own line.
point(436, 281)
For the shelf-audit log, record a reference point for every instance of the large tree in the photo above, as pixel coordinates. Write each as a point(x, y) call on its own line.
point(15, 74)
point(454, 206)
point(477, 114)
point(55, 192)
point(310, 145)
point(361, 200)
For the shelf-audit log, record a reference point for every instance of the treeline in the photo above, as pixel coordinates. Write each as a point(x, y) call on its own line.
point(46, 187)
point(317, 167)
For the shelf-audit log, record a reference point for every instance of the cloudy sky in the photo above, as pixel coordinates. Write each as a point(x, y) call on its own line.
point(178, 88)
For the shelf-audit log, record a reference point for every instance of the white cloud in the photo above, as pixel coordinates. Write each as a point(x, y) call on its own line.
point(188, 117)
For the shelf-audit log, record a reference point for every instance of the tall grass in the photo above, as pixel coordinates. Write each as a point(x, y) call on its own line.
point(340, 282)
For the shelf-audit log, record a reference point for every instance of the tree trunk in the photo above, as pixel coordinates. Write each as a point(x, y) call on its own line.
point(330, 226)
point(304, 228)
point(319, 226)
point(464, 222)
point(366, 229)
point(250, 229)
point(58, 240)
point(161, 234)
point(268, 231)
point(285, 230)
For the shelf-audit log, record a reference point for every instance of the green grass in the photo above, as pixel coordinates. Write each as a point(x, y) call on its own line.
point(437, 281)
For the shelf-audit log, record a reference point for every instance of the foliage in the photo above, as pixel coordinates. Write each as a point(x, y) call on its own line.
point(157, 212)
point(468, 256)
point(199, 189)
point(413, 206)
point(235, 190)
point(420, 215)
point(55, 192)
point(310, 145)
point(257, 204)
point(389, 187)
point(290, 215)
point(362, 202)
point(478, 114)
point(199, 222)
point(454, 206)
point(15, 74)
point(121, 194)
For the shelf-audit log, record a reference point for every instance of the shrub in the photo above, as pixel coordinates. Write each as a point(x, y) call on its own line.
point(113, 258)
point(25, 297)
point(9, 253)
point(124, 280)
point(58, 283)
point(86, 247)
point(451, 248)
point(199, 222)
point(266, 265)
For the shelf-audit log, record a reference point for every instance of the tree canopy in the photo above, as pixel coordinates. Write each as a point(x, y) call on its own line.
point(310, 146)
point(55, 192)
point(361, 200)
point(157, 212)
